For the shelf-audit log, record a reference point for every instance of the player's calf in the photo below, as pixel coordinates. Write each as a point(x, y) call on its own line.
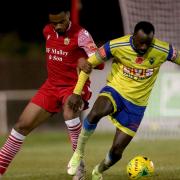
point(78, 155)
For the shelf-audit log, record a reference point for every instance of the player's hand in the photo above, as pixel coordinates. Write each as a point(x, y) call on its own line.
point(75, 102)
point(84, 65)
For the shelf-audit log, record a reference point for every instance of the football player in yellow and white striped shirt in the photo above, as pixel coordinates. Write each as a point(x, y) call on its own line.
point(136, 62)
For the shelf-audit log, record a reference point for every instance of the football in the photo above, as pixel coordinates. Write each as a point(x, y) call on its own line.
point(140, 167)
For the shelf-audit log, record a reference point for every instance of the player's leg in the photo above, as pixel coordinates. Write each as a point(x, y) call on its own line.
point(121, 140)
point(127, 120)
point(31, 117)
point(73, 123)
point(102, 107)
point(72, 119)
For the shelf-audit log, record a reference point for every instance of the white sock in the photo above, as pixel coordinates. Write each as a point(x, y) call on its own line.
point(74, 129)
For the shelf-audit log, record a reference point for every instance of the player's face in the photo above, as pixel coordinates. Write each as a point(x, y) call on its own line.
point(60, 22)
point(142, 41)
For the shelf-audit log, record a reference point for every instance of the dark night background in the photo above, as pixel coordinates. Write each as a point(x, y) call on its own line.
point(101, 18)
point(22, 56)
point(22, 43)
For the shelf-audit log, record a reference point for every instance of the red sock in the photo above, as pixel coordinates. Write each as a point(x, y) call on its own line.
point(74, 129)
point(10, 149)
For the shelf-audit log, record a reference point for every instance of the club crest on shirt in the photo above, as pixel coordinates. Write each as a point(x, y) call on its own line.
point(139, 60)
point(66, 41)
point(48, 37)
point(151, 60)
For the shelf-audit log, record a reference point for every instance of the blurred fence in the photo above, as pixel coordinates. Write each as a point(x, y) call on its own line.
point(164, 14)
point(12, 103)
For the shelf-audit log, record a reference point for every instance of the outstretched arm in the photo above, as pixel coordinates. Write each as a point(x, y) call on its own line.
point(84, 65)
point(94, 60)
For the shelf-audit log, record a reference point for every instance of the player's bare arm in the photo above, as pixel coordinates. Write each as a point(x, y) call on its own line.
point(84, 65)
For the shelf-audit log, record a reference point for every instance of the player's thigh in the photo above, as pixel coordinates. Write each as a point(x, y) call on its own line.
point(102, 107)
point(120, 142)
point(31, 117)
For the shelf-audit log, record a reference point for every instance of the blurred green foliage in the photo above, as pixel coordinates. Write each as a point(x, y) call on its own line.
point(12, 48)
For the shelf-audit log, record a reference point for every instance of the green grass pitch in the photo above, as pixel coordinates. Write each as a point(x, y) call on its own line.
point(44, 156)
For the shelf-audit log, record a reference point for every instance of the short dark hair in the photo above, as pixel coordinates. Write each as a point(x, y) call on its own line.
point(147, 27)
point(56, 7)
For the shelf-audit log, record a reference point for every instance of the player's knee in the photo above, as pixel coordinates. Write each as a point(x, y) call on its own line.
point(69, 114)
point(94, 116)
point(114, 157)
